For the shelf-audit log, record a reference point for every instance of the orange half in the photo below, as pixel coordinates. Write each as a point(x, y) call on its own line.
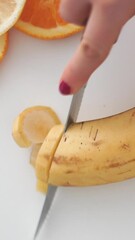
point(41, 19)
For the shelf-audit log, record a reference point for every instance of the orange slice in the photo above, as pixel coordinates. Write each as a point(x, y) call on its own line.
point(41, 19)
point(33, 124)
point(3, 45)
point(9, 13)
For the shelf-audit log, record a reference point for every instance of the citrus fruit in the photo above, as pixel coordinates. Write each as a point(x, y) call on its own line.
point(40, 18)
point(3, 45)
point(9, 13)
point(33, 124)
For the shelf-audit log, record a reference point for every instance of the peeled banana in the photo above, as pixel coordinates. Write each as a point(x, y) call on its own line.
point(89, 153)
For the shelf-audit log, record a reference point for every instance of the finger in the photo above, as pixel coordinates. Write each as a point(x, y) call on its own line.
point(75, 11)
point(101, 32)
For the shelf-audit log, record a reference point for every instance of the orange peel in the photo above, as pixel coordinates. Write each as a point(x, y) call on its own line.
point(41, 19)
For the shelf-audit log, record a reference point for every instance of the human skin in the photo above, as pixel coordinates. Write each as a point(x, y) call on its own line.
point(103, 21)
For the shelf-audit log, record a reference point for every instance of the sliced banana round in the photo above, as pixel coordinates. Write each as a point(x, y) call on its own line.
point(33, 124)
point(34, 153)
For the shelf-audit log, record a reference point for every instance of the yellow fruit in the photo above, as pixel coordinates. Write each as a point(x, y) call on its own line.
point(42, 186)
point(9, 13)
point(3, 45)
point(33, 124)
point(34, 153)
point(92, 153)
point(46, 153)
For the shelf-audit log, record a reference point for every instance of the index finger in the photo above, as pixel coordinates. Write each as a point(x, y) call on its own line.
point(101, 32)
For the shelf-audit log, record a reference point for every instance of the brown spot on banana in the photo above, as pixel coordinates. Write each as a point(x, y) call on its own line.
point(46, 156)
point(119, 164)
point(125, 146)
point(133, 114)
point(69, 172)
point(97, 143)
point(96, 133)
point(65, 139)
point(69, 160)
point(124, 172)
point(90, 132)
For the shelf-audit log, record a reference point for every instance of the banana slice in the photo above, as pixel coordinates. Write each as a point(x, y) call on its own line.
point(42, 186)
point(33, 124)
point(34, 153)
point(45, 155)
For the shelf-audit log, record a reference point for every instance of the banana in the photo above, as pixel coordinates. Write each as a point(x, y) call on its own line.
point(42, 186)
point(91, 153)
point(45, 155)
point(34, 153)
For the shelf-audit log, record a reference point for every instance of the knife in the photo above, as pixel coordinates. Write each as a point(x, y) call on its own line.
point(71, 118)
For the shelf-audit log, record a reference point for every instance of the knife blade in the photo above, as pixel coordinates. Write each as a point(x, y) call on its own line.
point(71, 118)
point(74, 107)
point(47, 204)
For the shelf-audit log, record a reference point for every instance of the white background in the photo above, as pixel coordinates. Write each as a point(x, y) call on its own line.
point(29, 75)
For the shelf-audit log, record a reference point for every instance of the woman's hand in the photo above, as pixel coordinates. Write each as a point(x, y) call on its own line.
point(104, 20)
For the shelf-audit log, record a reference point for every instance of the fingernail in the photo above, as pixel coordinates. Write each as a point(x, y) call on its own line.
point(64, 88)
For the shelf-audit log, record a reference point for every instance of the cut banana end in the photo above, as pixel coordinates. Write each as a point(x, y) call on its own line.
point(34, 153)
point(46, 153)
point(42, 186)
point(33, 124)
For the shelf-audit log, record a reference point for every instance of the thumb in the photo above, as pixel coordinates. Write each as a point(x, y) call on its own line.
point(101, 32)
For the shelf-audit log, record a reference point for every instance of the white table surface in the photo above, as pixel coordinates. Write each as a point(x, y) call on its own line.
point(29, 76)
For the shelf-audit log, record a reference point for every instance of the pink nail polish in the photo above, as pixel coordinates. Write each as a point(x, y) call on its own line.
point(64, 88)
